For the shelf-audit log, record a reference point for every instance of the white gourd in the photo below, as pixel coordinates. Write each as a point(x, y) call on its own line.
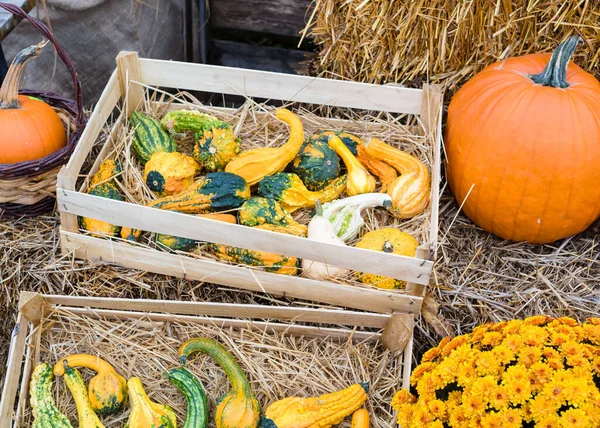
point(346, 214)
point(321, 230)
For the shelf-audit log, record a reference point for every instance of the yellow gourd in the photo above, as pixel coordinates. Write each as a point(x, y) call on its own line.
point(107, 390)
point(170, 173)
point(86, 415)
point(410, 192)
point(254, 165)
point(322, 412)
point(388, 240)
point(360, 419)
point(382, 170)
point(359, 180)
point(146, 413)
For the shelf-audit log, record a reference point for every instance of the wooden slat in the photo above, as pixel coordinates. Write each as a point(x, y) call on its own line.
point(289, 87)
point(107, 102)
point(294, 330)
point(13, 373)
point(201, 229)
point(277, 17)
point(256, 57)
point(435, 112)
point(128, 69)
point(281, 313)
point(380, 301)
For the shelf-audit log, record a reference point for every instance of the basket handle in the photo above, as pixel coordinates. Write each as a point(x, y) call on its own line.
point(62, 54)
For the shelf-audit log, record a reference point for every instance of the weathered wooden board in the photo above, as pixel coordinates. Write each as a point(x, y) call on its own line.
point(278, 17)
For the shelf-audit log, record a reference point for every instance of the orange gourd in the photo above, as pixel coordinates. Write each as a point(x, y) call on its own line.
point(523, 147)
point(29, 128)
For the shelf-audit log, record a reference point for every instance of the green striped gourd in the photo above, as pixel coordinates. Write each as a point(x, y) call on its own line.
point(150, 137)
point(192, 390)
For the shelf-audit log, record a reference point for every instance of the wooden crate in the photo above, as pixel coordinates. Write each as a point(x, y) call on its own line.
point(37, 318)
point(124, 87)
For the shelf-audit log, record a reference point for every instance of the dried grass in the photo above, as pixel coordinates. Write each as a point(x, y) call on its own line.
point(443, 41)
point(277, 365)
point(256, 126)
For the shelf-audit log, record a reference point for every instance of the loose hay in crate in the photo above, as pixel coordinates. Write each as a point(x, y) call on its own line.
point(256, 125)
point(277, 364)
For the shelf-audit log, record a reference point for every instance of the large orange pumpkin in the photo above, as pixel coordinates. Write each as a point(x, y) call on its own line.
point(29, 128)
point(523, 147)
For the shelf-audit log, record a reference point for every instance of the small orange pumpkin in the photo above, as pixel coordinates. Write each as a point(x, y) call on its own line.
point(29, 128)
point(523, 147)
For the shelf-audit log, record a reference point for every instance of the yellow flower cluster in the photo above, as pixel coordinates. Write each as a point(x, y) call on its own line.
point(537, 372)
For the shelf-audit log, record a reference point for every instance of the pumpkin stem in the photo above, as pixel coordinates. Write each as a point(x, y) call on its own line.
point(555, 73)
point(9, 91)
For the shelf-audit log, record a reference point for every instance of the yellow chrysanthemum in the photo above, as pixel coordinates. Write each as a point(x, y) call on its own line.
point(519, 390)
point(421, 415)
point(513, 342)
point(541, 406)
point(405, 415)
point(554, 391)
point(511, 418)
point(503, 354)
point(533, 335)
point(465, 374)
point(567, 321)
point(513, 327)
point(453, 344)
point(491, 420)
point(575, 418)
point(457, 417)
point(530, 355)
point(434, 424)
point(592, 333)
point(430, 355)
point(402, 397)
point(492, 338)
point(487, 364)
point(427, 386)
point(438, 409)
point(541, 372)
point(473, 405)
point(419, 371)
point(483, 386)
point(498, 397)
point(557, 339)
point(537, 320)
point(571, 348)
point(596, 365)
point(549, 421)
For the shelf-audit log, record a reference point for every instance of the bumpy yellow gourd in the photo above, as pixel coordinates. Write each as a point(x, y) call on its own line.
point(86, 415)
point(359, 180)
point(107, 390)
point(170, 173)
point(146, 413)
point(254, 165)
point(388, 240)
point(411, 191)
point(322, 412)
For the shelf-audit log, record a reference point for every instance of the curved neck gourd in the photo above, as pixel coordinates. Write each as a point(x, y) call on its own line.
point(9, 91)
point(83, 360)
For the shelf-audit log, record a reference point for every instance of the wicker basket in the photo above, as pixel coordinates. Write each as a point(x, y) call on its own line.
point(28, 188)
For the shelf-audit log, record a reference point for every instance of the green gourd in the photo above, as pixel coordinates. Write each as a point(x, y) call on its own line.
point(192, 390)
point(316, 163)
point(150, 137)
point(43, 408)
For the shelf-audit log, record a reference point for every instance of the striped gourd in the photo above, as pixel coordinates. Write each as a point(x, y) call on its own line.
point(192, 390)
point(150, 137)
point(45, 413)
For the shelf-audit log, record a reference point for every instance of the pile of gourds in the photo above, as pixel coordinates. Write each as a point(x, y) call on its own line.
point(297, 175)
point(107, 393)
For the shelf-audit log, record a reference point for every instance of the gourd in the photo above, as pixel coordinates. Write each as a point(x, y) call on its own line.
point(359, 180)
point(316, 163)
point(388, 240)
point(102, 184)
point(287, 189)
point(129, 234)
point(146, 413)
point(86, 415)
point(258, 211)
point(217, 191)
point(346, 214)
point(43, 408)
point(321, 230)
point(351, 141)
point(522, 143)
point(175, 243)
point(323, 412)
point(215, 147)
point(170, 173)
point(181, 121)
point(107, 390)
point(274, 263)
point(29, 128)
point(238, 408)
point(254, 165)
point(385, 173)
point(410, 192)
point(149, 137)
point(360, 419)
point(192, 390)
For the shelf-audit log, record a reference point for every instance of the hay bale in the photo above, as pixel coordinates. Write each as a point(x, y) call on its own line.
point(442, 41)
